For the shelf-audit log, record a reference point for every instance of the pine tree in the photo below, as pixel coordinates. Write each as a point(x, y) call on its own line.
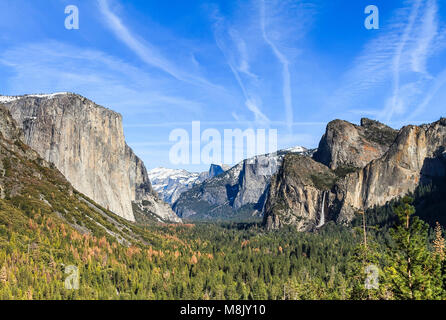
point(3, 275)
point(440, 255)
point(439, 242)
point(364, 261)
point(412, 272)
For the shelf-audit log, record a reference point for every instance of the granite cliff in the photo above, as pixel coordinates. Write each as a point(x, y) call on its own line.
point(86, 143)
point(32, 189)
point(416, 157)
point(345, 145)
point(355, 168)
point(299, 194)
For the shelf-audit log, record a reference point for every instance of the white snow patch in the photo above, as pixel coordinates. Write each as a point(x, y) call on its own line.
point(7, 99)
point(297, 149)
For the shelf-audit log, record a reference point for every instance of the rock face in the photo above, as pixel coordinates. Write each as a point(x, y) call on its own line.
point(86, 143)
point(299, 194)
point(345, 145)
point(217, 169)
point(415, 157)
point(171, 183)
point(243, 186)
point(366, 166)
point(36, 184)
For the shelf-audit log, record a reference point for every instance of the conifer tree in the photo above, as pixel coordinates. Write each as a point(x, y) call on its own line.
point(364, 260)
point(439, 242)
point(412, 272)
point(3, 275)
point(440, 256)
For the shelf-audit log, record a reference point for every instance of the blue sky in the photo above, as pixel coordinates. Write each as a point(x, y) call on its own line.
point(286, 65)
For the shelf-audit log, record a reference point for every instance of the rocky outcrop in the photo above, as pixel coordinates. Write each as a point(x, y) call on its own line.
point(86, 143)
point(371, 165)
point(415, 157)
point(216, 169)
point(299, 194)
point(345, 145)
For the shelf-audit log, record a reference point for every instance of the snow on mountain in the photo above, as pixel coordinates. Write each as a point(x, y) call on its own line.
point(7, 99)
point(241, 186)
point(297, 149)
point(171, 183)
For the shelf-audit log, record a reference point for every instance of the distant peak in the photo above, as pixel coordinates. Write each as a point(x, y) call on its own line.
point(297, 149)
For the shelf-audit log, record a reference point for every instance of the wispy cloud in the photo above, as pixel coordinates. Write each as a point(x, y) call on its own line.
point(286, 77)
point(269, 30)
point(428, 32)
point(439, 82)
point(398, 57)
point(146, 51)
point(54, 66)
point(396, 64)
point(242, 48)
point(238, 64)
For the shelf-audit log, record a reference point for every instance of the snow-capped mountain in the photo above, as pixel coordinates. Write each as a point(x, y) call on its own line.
point(240, 189)
point(171, 183)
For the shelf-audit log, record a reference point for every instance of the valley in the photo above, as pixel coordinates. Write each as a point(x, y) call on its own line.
point(286, 225)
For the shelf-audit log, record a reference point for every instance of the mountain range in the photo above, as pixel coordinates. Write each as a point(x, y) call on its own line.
point(170, 183)
point(354, 168)
point(239, 192)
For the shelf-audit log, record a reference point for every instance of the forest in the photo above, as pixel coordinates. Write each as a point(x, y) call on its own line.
point(57, 244)
point(388, 252)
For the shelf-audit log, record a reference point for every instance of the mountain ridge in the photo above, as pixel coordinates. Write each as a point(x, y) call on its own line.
point(170, 183)
point(240, 189)
point(363, 170)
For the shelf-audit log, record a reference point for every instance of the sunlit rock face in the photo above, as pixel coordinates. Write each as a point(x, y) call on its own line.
point(299, 194)
point(345, 145)
point(415, 157)
point(365, 166)
point(86, 143)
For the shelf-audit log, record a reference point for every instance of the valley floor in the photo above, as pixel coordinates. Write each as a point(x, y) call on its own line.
point(216, 261)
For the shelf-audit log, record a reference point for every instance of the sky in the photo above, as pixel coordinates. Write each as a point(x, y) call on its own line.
point(290, 66)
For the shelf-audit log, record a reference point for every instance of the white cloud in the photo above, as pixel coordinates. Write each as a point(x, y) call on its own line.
point(394, 63)
point(54, 66)
point(428, 32)
point(225, 38)
point(286, 77)
point(440, 81)
point(146, 51)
